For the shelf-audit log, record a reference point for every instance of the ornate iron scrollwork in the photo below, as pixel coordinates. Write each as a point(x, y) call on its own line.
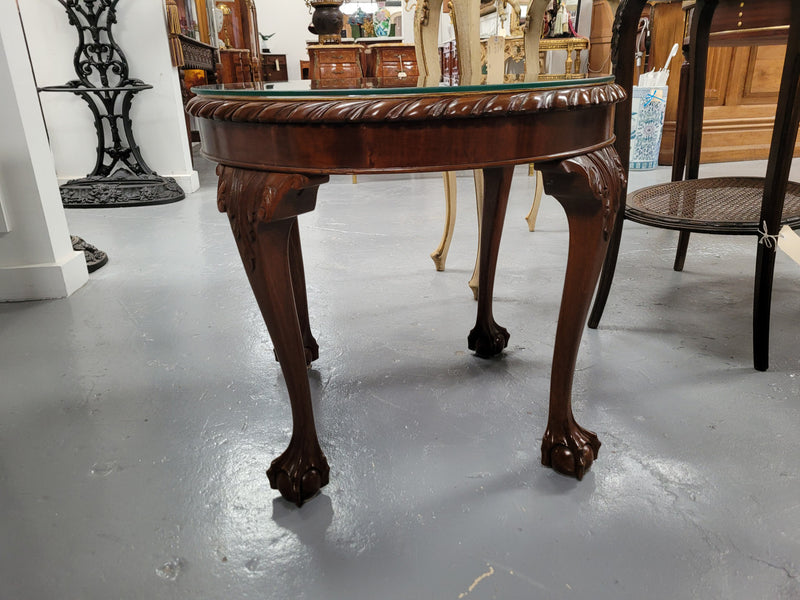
point(120, 175)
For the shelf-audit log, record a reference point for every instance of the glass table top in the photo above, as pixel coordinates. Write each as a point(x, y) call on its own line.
point(380, 86)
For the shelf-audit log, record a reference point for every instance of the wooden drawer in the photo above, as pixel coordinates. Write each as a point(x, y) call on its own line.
point(406, 54)
point(341, 70)
point(391, 69)
point(337, 56)
point(273, 67)
point(391, 59)
point(338, 61)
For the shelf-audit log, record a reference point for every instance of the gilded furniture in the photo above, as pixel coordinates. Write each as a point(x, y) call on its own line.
point(515, 55)
point(275, 148)
point(727, 205)
point(466, 17)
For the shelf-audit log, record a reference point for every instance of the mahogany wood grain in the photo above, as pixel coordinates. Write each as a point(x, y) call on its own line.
point(274, 153)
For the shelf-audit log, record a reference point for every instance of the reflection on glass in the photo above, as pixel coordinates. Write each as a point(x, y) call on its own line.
point(365, 86)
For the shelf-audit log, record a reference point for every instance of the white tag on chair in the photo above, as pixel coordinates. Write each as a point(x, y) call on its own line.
point(789, 242)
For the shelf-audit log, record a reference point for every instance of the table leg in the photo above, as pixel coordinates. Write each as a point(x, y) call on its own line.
point(589, 188)
point(263, 208)
point(300, 297)
point(488, 338)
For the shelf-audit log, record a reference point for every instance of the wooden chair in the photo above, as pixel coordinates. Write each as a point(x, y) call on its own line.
point(465, 15)
point(730, 205)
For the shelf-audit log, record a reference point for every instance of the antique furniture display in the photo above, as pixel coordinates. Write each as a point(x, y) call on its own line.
point(192, 35)
point(392, 60)
point(120, 176)
point(234, 66)
point(239, 31)
point(466, 17)
point(277, 144)
point(743, 77)
point(273, 67)
point(514, 56)
point(336, 61)
point(727, 205)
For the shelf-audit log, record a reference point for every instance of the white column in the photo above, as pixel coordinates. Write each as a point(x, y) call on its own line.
point(36, 256)
point(157, 115)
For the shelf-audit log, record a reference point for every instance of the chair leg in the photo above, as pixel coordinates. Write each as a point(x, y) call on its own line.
point(439, 255)
point(680, 253)
point(537, 200)
point(762, 300)
point(784, 136)
point(607, 274)
point(477, 174)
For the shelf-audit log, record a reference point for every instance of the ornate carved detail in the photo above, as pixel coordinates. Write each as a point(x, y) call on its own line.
point(442, 106)
point(197, 55)
point(300, 472)
point(250, 198)
point(120, 189)
point(423, 11)
point(617, 27)
point(120, 175)
point(603, 171)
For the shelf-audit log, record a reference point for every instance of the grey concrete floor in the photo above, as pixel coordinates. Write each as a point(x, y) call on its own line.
point(138, 416)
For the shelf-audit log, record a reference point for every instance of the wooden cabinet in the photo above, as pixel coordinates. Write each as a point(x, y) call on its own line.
point(742, 83)
point(336, 61)
point(234, 67)
point(239, 32)
point(389, 60)
point(273, 67)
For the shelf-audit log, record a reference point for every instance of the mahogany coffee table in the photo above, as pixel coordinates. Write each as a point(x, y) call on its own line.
point(276, 143)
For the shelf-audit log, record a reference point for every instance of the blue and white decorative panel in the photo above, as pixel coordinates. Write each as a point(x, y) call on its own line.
point(647, 123)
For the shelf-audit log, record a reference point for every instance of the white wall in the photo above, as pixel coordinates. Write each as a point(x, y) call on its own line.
point(36, 256)
point(289, 21)
point(157, 114)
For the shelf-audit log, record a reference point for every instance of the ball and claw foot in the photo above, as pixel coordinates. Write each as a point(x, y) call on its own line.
point(298, 474)
point(570, 452)
point(488, 341)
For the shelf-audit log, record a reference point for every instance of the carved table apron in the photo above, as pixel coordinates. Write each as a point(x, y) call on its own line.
point(276, 146)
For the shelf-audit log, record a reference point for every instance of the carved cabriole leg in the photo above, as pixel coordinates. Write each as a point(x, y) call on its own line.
point(439, 255)
point(588, 187)
point(474, 281)
point(487, 338)
point(537, 201)
point(263, 208)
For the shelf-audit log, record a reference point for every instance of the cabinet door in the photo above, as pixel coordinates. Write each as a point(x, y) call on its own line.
point(742, 84)
point(742, 87)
